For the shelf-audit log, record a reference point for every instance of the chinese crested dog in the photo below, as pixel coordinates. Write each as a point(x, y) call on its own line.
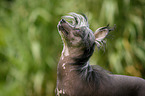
point(75, 76)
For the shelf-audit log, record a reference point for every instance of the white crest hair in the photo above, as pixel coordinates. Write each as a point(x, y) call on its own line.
point(78, 20)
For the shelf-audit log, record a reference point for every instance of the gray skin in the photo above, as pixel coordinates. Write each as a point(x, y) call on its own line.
point(70, 82)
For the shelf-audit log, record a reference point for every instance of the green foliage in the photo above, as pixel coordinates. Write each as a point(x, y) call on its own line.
point(30, 45)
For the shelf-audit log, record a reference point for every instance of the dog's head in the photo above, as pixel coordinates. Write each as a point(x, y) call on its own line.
point(78, 34)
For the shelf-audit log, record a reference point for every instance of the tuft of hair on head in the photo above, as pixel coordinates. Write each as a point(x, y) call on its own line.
point(77, 20)
point(101, 34)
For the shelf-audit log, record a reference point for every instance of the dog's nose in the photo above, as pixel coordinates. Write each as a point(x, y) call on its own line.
point(62, 21)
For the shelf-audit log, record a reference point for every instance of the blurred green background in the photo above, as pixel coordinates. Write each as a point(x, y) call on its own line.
point(30, 45)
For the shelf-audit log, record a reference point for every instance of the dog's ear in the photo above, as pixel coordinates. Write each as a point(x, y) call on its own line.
point(101, 33)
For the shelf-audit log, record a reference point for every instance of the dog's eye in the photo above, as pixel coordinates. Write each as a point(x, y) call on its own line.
point(77, 30)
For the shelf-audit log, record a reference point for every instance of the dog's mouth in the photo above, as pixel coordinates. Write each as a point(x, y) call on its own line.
point(62, 29)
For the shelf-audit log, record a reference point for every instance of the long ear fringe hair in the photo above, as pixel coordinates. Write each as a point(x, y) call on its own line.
point(101, 44)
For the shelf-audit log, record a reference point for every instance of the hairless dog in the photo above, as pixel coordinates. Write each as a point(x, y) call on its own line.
point(75, 76)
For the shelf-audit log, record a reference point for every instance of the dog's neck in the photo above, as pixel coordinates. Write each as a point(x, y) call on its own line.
point(70, 52)
point(74, 59)
point(68, 56)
